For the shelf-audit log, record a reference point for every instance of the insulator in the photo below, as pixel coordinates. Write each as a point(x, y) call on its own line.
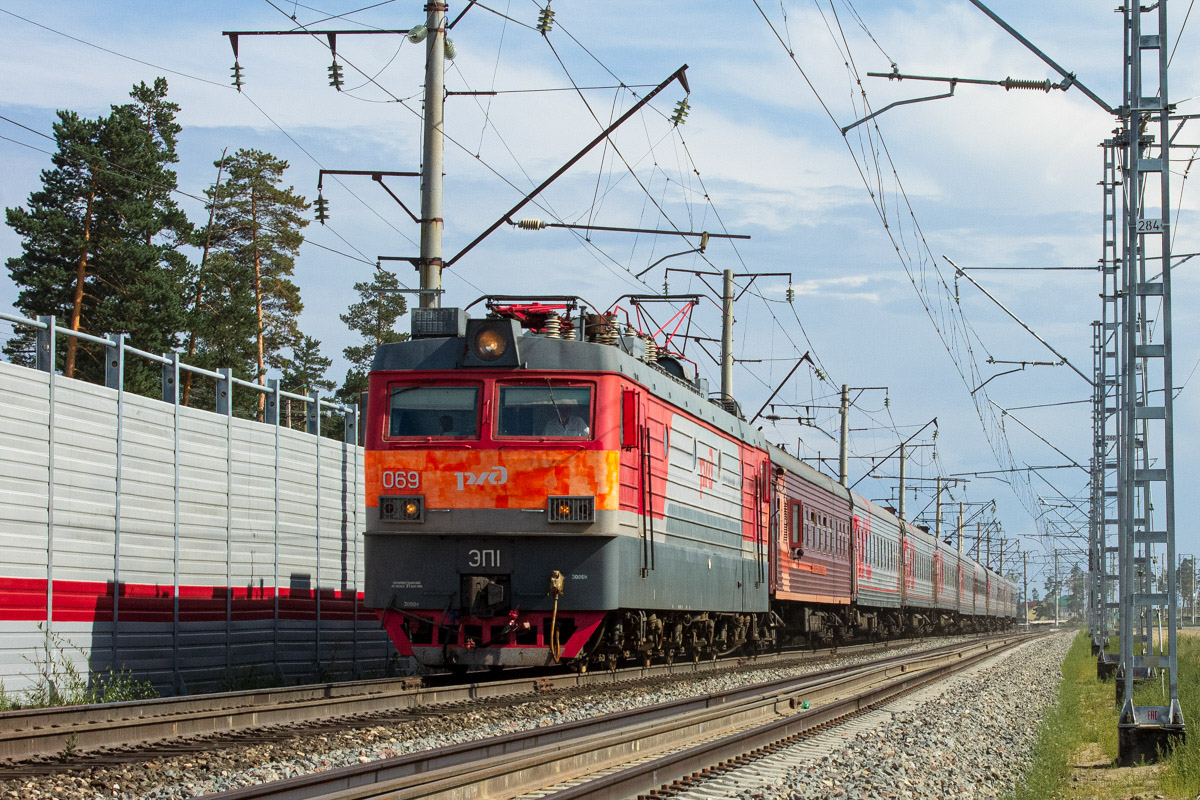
point(1016, 83)
point(651, 351)
point(545, 20)
point(553, 327)
point(237, 75)
point(417, 33)
point(610, 332)
point(451, 50)
point(531, 224)
point(791, 294)
point(322, 209)
point(681, 112)
point(335, 76)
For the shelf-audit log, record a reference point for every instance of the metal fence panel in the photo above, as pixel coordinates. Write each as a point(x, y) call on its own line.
point(195, 549)
point(24, 472)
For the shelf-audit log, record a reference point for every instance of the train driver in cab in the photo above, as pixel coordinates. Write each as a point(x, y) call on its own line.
point(568, 421)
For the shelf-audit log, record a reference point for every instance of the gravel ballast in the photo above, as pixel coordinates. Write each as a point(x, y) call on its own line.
point(973, 740)
point(224, 767)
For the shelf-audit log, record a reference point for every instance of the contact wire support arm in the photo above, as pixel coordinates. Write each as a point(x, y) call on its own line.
point(806, 357)
point(1068, 77)
point(890, 106)
point(679, 75)
point(959, 271)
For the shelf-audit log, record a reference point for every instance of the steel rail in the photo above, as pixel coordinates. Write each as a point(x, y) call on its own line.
point(679, 769)
point(49, 732)
point(508, 765)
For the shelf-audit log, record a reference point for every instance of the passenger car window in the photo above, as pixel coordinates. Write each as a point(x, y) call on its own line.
point(559, 412)
point(434, 411)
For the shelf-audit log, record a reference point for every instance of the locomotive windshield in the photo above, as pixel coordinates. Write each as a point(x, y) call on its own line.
point(546, 411)
point(437, 411)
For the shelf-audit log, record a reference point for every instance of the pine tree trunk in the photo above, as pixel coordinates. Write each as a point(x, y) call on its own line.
point(258, 302)
point(80, 276)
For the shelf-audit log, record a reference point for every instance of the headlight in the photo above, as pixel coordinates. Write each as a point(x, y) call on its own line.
point(572, 508)
point(490, 344)
point(402, 509)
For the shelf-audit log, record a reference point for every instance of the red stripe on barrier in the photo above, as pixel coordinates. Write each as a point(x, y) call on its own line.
point(24, 599)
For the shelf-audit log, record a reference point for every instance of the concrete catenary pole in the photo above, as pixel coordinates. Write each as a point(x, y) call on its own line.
point(960, 527)
point(845, 439)
point(727, 337)
point(1056, 587)
point(1025, 590)
point(430, 263)
point(937, 517)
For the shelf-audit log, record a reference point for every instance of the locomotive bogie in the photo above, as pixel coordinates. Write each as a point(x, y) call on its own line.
point(437, 581)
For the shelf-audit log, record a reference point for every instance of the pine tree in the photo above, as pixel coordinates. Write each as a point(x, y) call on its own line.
point(257, 223)
point(305, 371)
point(225, 327)
point(57, 229)
point(201, 306)
point(102, 236)
point(373, 318)
point(145, 269)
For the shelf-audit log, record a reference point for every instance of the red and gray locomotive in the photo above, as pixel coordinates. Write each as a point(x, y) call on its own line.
point(545, 486)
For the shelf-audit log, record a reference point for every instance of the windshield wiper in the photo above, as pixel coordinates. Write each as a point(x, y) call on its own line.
point(557, 410)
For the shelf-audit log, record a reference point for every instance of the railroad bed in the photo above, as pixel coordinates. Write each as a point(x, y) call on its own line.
point(188, 769)
point(659, 748)
point(46, 735)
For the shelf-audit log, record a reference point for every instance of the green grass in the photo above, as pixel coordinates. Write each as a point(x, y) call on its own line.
point(1182, 773)
point(1084, 713)
point(57, 680)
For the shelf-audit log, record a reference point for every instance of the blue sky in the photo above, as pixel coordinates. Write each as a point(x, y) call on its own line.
point(991, 178)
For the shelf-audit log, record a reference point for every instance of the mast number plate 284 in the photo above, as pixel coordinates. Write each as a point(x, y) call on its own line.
point(401, 479)
point(1149, 226)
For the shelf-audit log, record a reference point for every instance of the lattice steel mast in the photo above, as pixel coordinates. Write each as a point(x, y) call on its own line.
point(1146, 455)
point(1106, 424)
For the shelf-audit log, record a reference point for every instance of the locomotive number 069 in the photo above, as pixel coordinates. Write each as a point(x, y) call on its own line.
point(401, 479)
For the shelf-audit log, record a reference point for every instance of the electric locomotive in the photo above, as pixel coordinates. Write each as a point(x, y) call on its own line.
point(543, 486)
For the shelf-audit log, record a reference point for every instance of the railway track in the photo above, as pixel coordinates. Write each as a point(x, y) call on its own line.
point(37, 741)
point(646, 751)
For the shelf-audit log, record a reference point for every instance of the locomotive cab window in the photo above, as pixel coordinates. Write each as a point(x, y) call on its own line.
point(434, 412)
point(545, 411)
